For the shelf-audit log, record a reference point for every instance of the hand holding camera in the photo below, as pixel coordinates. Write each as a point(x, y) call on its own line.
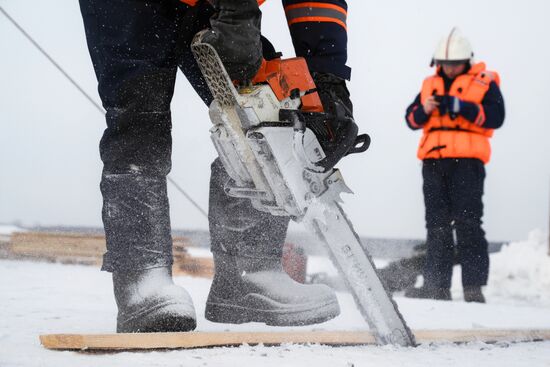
point(445, 104)
point(431, 104)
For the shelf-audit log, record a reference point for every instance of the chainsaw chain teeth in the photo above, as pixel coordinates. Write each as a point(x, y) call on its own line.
point(215, 74)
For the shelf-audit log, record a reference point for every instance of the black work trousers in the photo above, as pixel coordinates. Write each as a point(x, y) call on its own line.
point(453, 190)
point(136, 48)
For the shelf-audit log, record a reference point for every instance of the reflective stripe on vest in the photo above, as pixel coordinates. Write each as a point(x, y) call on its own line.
point(316, 12)
point(444, 137)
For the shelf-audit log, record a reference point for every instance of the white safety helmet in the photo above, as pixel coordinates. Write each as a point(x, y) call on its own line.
point(453, 49)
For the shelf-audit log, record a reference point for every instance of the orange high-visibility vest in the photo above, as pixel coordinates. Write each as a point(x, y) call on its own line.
point(444, 137)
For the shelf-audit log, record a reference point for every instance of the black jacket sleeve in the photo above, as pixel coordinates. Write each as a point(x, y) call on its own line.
point(318, 31)
point(490, 114)
point(415, 115)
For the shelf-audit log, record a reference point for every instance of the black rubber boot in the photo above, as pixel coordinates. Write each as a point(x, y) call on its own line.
point(473, 294)
point(148, 301)
point(258, 290)
point(442, 294)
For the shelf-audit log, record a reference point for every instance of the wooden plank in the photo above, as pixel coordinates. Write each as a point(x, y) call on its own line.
point(145, 341)
point(482, 335)
point(198, 339)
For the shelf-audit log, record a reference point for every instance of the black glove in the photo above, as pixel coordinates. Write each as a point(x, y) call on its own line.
point(235, 34)
point(332, 89)
point(454, 106)
point(468, 110)
point(337, 132)
point(443, 105)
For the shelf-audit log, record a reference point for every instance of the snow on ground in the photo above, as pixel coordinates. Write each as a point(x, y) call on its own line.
point(38, 298)
point(520, 272)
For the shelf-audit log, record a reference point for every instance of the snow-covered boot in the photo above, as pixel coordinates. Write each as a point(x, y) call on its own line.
point(473, 294)
point(247, 289)
point(149, 301)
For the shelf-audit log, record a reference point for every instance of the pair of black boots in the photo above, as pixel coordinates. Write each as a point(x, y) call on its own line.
point(244, 289)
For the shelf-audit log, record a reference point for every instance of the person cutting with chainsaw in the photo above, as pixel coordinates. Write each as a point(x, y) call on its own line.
point(136, 48)
point(458, 109)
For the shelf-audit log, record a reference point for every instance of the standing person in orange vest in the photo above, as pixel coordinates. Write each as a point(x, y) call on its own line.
point(137, 47)
point(457, 109)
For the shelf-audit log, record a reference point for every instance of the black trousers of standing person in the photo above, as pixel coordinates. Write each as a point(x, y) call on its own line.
point(453, 190)
point(136, 49)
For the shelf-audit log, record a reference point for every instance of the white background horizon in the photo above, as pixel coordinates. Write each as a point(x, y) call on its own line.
point(50, 166)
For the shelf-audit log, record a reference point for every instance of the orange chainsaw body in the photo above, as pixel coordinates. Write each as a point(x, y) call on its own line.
point(288, 75)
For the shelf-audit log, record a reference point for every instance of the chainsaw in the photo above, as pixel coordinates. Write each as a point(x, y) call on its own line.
point(260, 131)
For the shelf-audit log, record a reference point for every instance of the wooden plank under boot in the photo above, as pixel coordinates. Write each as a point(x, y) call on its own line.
point(147, 341)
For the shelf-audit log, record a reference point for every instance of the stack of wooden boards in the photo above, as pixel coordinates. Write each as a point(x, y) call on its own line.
point(88, 249)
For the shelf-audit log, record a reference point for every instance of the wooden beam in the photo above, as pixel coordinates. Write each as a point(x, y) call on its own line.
point(144, 341)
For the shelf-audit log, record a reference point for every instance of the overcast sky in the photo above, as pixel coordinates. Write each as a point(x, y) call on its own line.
point(49, 160)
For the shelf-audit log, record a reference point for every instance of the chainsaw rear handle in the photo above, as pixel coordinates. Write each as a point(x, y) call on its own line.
point(362, 143)
point(298, 120)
